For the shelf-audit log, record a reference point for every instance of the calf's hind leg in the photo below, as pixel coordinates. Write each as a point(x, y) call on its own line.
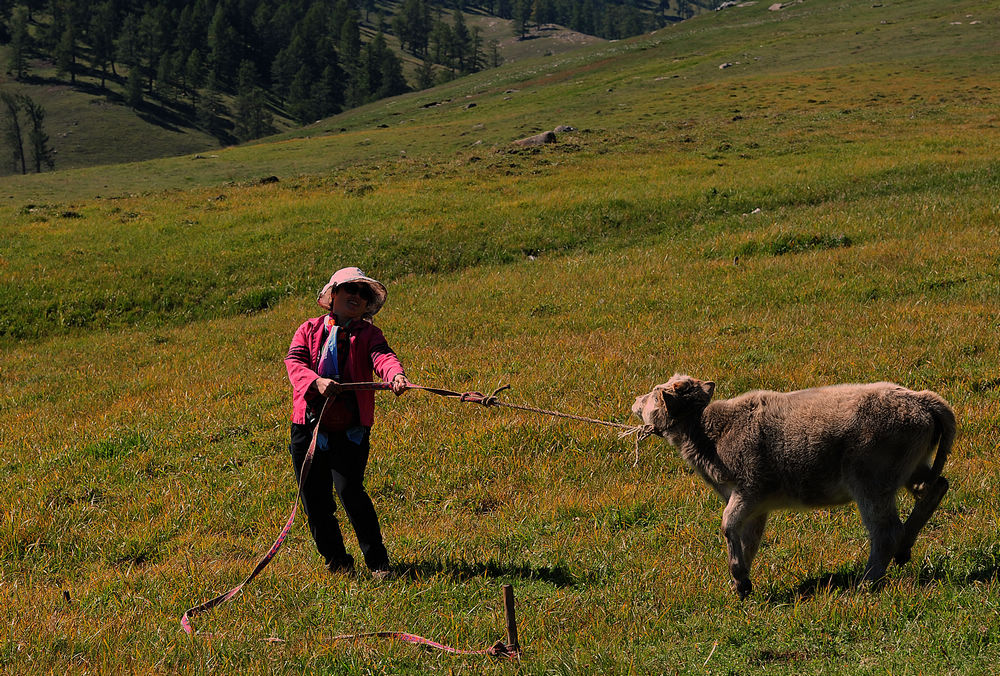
point(927, 501)
point(878, 513)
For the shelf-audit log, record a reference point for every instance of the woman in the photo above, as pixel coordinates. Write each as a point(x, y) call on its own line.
point(342, 346)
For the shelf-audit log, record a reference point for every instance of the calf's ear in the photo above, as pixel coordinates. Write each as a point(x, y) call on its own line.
point(708, 388)
point(667, 396)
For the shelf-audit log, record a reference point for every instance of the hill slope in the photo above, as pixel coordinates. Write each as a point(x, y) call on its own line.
point(86, 127)
point(644, 80)
point(264, 71)
point(822, 209)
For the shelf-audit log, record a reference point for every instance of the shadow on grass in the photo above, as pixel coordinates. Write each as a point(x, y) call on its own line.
point(810, 587)
point(558, 575)
point(968, 568)
point(963, 570)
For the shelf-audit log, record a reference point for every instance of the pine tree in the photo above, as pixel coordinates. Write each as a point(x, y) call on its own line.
point(20, 43)
point(441, 39)
point(133, 88)
point(155, 30)
point(12, 132)
point(65, 54)
point(165, 74)
point(349, 47)
point(369, 71)
point(127, 46)
point(38, 140)
point(224, 44)
point(393, 81)
point(460, 40)
point(476, 57)
point(300, 103)
point(401, 30)
point(268, 39)
point(413, 26)
point(495, 59)
point(31, 6)
point(350, 38)
point(287, 64)
point(102, 41)
point(543, 11)
point(341, 10)
point(207, 109)
point(328, 90)
point(194, 73)
point(51, 33)
point(425, 75)
point(522, 16)
point(252, 118)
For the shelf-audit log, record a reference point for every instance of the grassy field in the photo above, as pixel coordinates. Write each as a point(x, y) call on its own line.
point(824, 209)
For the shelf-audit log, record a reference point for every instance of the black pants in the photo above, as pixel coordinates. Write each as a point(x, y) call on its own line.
point(342, 468)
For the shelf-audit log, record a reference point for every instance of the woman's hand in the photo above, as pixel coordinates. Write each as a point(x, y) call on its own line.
point(399, 384)
point(327, 387)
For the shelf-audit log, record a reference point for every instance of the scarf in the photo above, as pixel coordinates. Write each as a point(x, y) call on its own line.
point(329, 367)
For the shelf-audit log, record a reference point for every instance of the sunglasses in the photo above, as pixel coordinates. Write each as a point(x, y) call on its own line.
point(357, 290)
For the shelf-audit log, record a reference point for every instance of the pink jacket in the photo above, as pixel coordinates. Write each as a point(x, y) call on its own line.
point(369, 352)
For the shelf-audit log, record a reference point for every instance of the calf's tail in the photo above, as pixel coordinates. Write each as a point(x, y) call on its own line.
point(945, 426)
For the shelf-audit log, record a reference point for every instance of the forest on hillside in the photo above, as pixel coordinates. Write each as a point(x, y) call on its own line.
point(228, 65)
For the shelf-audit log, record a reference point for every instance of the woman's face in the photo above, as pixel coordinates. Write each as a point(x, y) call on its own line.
point(350, 301)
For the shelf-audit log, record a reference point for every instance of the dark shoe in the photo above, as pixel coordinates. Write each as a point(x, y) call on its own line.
point(344, 566)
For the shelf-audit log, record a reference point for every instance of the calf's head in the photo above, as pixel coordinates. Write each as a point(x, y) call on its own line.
point(672, 402)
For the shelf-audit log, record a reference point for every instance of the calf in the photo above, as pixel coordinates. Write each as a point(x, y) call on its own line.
point(765, 450)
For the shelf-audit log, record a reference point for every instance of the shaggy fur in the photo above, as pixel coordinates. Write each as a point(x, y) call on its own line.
point(765, 450)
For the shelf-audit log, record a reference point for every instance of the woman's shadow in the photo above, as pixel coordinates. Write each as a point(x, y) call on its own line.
point(558, 575)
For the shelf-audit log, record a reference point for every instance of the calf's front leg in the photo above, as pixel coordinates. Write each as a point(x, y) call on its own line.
point(743, 533)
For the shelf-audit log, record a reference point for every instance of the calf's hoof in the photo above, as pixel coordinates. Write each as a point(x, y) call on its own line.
point(902, 557)
point(874, 578)
point(743, 588)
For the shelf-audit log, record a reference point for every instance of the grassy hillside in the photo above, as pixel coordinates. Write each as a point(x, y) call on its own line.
point(87, 126)
point(540, 41)
point(93, 126)
point(822, 209)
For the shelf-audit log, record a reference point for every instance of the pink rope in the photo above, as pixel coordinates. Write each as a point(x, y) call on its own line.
point(222, 598)
point(499, 649)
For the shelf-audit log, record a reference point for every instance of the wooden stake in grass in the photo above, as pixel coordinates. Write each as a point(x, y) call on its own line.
point(508, 602)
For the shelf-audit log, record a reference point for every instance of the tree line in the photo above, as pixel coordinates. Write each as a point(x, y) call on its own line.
point(309, 58)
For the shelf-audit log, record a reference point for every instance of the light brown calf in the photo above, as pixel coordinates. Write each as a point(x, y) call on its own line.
point(765, 450)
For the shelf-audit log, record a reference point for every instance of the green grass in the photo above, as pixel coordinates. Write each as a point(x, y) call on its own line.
point(823, 213)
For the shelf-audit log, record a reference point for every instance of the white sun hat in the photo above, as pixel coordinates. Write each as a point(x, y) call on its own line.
point(346, 276)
